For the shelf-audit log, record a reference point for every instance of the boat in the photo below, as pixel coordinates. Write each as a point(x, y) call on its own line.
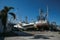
point(42, 23)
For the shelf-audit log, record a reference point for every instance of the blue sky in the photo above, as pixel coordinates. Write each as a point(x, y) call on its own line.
point(30, 8)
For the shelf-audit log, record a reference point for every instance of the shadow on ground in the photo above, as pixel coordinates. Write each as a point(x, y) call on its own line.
point(40, 36)
point(14, 34)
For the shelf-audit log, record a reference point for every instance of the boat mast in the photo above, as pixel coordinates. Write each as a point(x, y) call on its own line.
point(47, 13)
point(26, 20)
point(41, 14)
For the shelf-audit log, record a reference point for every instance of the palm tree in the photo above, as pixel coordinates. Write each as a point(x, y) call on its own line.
point(4, 16)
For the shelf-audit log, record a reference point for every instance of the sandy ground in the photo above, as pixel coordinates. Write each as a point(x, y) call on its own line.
point(37, 36)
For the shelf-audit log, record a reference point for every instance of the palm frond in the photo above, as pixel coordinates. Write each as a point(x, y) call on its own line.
point(14, 16)
point(8, 8)
point(11, 8)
